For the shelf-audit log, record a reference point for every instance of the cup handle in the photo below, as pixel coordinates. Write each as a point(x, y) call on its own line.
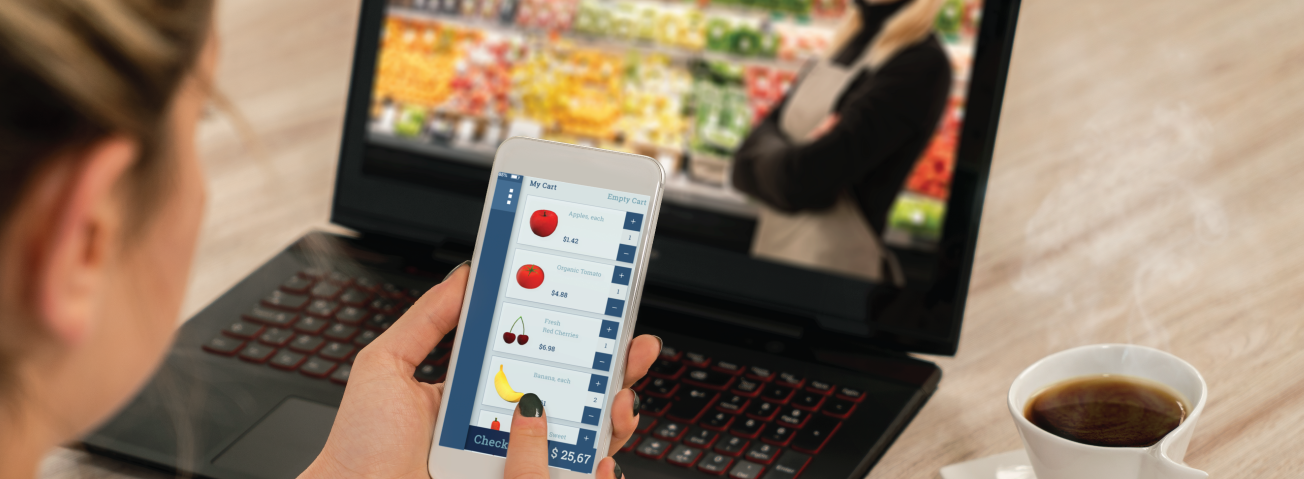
point(1159, 466)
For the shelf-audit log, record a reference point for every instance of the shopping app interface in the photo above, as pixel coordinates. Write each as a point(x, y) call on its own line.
point(548, 303)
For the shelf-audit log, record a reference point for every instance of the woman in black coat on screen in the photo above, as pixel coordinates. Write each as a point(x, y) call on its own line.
point(830, 159)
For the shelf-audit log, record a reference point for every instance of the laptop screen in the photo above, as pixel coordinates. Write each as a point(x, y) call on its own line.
point(864, 239)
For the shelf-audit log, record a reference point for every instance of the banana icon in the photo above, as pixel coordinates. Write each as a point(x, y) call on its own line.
point(505, 390)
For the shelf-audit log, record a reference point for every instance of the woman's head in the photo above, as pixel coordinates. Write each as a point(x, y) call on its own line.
point(907, 26)
point(100, 197)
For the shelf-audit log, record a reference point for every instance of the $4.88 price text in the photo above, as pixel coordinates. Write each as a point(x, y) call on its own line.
point(560, 294)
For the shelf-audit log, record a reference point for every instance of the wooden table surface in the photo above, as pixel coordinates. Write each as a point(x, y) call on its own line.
point(1147, 187)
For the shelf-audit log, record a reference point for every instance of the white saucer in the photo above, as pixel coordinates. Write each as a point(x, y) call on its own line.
point(1006, 465)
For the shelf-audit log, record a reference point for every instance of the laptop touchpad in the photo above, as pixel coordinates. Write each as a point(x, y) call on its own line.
point(283, 443)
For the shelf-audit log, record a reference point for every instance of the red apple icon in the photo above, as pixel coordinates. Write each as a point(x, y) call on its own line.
point(529, 276)
point(543, 223)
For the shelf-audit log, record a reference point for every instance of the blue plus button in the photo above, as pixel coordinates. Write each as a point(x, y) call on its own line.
point(633, 221)
point(598, 384)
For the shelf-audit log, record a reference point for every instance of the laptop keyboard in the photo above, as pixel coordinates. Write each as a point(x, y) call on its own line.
point(701, 413)
point(317, 321)
point(720, 417)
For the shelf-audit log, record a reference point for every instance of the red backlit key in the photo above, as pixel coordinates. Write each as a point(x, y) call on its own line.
point(700, 437)
point(286, 301)
point(276, 337)
point(762, 453)
point(748, 428)
point(317, 367)
point(271, 317)
point(684, 456)
point(731, 445)
point(225, 346)
point(778, 435)
point(813, 437)
point(257, 353)
point(296, 284)
point(807, 400)
point(821, 387)
point(718, 421)
point(307, 344)
point(715, 463)
point(243, 330)
point(629, 445)
point(287, 360)
point(851, 394)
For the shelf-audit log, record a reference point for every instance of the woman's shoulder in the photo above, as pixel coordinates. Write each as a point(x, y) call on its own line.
point(927, 55)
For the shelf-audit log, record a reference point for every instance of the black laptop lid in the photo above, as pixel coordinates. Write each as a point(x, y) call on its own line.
point(437, 84)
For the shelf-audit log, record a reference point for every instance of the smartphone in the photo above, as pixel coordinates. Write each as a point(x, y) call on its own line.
point(550, 304)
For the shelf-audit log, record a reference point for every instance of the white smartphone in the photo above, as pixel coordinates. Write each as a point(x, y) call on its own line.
point(550, 304)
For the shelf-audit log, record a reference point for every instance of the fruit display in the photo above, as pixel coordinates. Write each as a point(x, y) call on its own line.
point(653, 102)
point(554, 15)
point(918, 216)
point(799, 42)
point(828, 8)
point(765, 87)
point(482, 80)
point(416, 62)
point(931, 175)
point(949, 19)
point(573, 90)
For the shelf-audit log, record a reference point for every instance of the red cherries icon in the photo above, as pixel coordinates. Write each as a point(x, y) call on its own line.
point(543, 223)
point(509, 336)
point(529, 276)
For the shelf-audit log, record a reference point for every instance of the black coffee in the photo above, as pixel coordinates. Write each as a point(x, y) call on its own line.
point(1108, 410)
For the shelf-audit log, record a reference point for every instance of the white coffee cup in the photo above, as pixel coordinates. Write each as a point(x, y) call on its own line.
point(1054, 457)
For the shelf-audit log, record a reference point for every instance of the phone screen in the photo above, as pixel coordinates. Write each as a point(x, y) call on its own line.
point(546, 309)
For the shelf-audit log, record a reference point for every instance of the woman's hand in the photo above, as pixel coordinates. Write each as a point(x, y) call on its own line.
point(824, 127)
point(387, 418)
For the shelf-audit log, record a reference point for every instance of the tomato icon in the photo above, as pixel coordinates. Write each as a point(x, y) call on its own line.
point(529, 277)
point(543, 223)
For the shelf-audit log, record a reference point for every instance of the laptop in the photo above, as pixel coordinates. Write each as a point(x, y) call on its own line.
point(771, 369)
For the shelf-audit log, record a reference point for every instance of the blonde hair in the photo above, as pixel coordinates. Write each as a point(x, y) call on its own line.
point(73, 72)
point(910, 25)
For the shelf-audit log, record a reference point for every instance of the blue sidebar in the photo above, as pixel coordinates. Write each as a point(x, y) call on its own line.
point(479, 317)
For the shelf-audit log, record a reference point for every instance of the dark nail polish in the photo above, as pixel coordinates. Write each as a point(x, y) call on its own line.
point(454, 270)
point(661, 344)
point(530, 406)
point(636, 403)
point(615, 469)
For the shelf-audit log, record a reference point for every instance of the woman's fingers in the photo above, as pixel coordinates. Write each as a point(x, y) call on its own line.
point(624, 419)
point(643, 351)
point(608, 469)
point(824, 127)
point(527, 448)
point(412, 337)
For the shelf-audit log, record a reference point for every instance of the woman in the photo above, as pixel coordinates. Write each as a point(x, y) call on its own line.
point(100, 198)
point(828, 162)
